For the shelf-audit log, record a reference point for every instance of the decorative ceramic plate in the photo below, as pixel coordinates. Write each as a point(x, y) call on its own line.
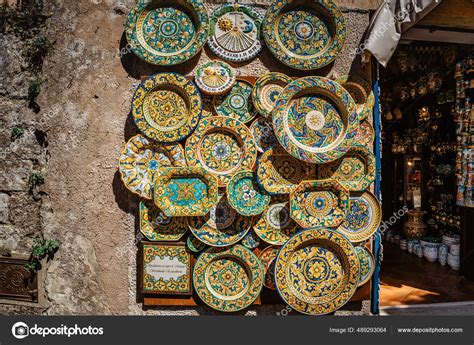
point(317, 271)
point(222, 146)
point(251, 240)
point(275, 225)
point(223, 226)
point(167, 34)
point(280, 173)
point(194, 244)
point(321, 203)
point(140, 160)
point(157, 226)
point(215, 77)
point(266, 91)
point(166, 107)
point(363, 218)
point(262, 131)
point(314, 119)
point(366, 263)
point(268, 258)
point(245, 196)
point(365, 135)
point(361, 92)
point(356, 170)
point(237, 103)
point(235, 32)
point(304, 34)
point(183, 192)
point(228, 279)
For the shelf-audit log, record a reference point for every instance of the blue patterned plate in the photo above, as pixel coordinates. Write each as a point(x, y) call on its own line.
point(245, 196)
point(367, 264)
point(275, 225)
point(237, 103)
point(157, 226)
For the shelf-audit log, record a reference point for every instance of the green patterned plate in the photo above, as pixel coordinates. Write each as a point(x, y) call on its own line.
point(157, 226)
point(262, 132)
point(275, 225)
point(266, 91)
point(268, 258)
point(228, 279)
point(215, 77)
point(167, 34)
point(367, 264)
point(361, 92)
point(245, 196)
point(237, 103)
point(365, 135)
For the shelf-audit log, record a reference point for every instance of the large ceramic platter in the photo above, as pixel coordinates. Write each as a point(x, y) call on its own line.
point(366, 263)
point(222, 146)
point(166, 107)
point(223, 226)
point(215, 77)
point(320, 203)
point(267, 257)
point(356, 170)
point(315, 119)
point(365, 135)
point(317, 271)
point(275, 225)
point(157, 226)
point(184, 192)
point(266, 90)
point(166, 34)
point(235, 32)
point(361, 92)
point(228, 279)
point(304, 34)
point(363, 218)
point(262, 132)
point(140, 160)
point(237, 103)
point(245, 196)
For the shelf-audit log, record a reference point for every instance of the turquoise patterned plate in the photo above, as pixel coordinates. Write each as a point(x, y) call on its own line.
point(245, 196)
point(275, 226)
point(367, 264)
point(262, 132)
point(251, 240)
point(266, 91)
point(304, 34)
point(237, 103)
point(194, 244)
point(361, 92)
point(167, 34)
point(215, 77)
point(157, 226)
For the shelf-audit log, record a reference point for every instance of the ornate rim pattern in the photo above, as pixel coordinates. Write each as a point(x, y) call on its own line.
point(274, 226)
point(262, 87)
point(215, 77)
point(361, 92)
point(255, 202)
point(237, 104)
point(268, 258)
point(156, 226)
point(366, 263)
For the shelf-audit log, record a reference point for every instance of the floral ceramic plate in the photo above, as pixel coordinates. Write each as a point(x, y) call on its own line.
point(223, 226)
point(267, 257)
point(183, 192)
point(363, 218)
point(317, 271)
point(266, 91)
point(165, 34)
point(262, 131)
point(237, 103)
point(222, 146)
point(245, 196)
point(140, 160)
point(235, 32)
point(157, 226)
point(228, 279)
point(356, 170)
point(304, 34)
point(275, 225)
point(365, 135)
point(251, 240)
point(315, 119)
point(320, 203)
point(194, 244)
point(166, 107)
point(215, 77)
point(366, 263)
point(361, 92)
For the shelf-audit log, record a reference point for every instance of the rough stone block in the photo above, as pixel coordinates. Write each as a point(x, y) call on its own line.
point(4, 208)
point(14, 175)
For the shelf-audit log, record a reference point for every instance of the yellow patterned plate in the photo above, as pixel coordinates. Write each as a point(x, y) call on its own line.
point(266, 91)
point(157, 226)
point(228, 279)
point(367, 264)
point(275, 225)
point(361, 92)
point(317, 271)
point(268, 258)
point(365, 135)
point(215, 77)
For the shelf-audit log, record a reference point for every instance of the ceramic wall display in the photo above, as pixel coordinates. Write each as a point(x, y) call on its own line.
point(235, 32)
point(275, 225)
point(228, 279)
point(244, 194)
point(304, 34)
point(366, 263)
point(166, 107)
point(319, 203)
point(266, 90)
point(237, 103)
point(317, 271)
point(361, 92)
point(140, 160)
point(215, 77)
point(251, 240)
point(157, 226)
point(262, 131)
point(267, 257)
point(194, 244)
point(222, 146)
point(223, 226)
point(356, 170)
point(166, 34)
point(363, 217)
point(365, 134)
point(315, 119)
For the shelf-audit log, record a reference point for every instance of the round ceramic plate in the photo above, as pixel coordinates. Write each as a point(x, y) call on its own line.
point(361, 92)
point(304, 34)
point(228, 279)
point(365, 135)
point(156, 226)
point(237, 103)
point(223, 146)
point(194, 244)
point(167, 35)
point(215, 77)
point(166, 107)
point(140, 160)
point(235, 32)
point(366, 263)
point(245, 196)
point(317, 271)
point(251, 240)
point(314, 119)
point(266, 91)
point(363, 218)
point(275, 225)
point(262, 132)
point(223, 226)
point(268, 258)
